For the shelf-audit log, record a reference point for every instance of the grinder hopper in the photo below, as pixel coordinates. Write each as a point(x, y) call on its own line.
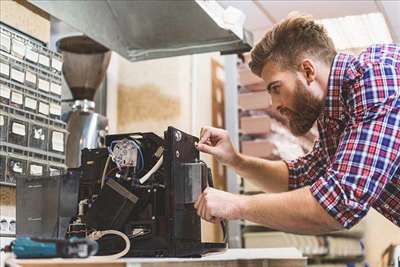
point(84, 69)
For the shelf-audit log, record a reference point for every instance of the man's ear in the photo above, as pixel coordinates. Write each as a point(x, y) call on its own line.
point(309, 70)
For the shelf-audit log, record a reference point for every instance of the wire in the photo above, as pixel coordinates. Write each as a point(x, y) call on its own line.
point(152, 171)
point(96, 235)
point(104, 171)
point(141, 156)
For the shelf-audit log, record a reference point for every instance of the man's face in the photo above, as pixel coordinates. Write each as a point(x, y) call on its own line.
point(293, 97)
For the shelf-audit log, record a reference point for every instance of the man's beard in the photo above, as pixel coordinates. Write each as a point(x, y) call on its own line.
point(306, 110)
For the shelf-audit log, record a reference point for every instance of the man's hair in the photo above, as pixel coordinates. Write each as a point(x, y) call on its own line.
point(288, 41)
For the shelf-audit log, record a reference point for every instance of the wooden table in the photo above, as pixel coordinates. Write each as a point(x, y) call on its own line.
point(269, 257)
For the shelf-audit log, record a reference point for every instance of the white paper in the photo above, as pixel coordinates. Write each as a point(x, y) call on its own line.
point(1, 120)
point(55, 109)
point(55, 88)
point(5, 69)
point(16, 98)
point(44, 85)
point(43, 108)
point(31, 55)
point(30, 77)
point(18, 129)
point(5, 91)
point(54, 171)
point(36, 170)
point(5, 42)
point(30, 103)
point(17, 75)
point(56, 64)
point(18, 48)
point(44, 60)
point(57, 141)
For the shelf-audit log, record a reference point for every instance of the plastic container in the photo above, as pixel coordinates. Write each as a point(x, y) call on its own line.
point(4, 69)
point(5, 94)
point(36, 169)
point(2, 168)
point(18, 132)
point(15, 167)
point(57, 142)
point(3, 128)
point(38, 137)
point(17, 98)
point(5, 42)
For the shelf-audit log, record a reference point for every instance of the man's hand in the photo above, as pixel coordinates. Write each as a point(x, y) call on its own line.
point(215, 205)
point(217, 143)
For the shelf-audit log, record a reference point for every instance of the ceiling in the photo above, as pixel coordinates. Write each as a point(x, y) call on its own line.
point(262, 14)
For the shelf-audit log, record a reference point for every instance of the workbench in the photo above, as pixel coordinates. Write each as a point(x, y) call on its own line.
point(268, 257)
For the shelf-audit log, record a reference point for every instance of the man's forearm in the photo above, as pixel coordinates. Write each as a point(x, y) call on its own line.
point(295, 211)
point(269, 176)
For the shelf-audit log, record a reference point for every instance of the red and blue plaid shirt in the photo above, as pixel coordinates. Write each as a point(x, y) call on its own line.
point(355, 163)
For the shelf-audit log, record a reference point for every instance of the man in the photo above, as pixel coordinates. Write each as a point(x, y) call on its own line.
point(355, 163)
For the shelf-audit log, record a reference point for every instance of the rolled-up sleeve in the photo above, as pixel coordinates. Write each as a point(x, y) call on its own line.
point(307, 169)
point(366, 159)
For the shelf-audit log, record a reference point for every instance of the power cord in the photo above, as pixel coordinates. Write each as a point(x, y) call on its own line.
point(96, 235)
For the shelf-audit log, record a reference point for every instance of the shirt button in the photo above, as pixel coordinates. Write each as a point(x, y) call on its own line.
point(386, 206)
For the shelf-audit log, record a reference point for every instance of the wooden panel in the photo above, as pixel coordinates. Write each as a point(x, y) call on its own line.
point(255, 124)
point(256, 100)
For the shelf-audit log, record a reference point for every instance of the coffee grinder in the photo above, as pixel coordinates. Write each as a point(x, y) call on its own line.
point(84, 69)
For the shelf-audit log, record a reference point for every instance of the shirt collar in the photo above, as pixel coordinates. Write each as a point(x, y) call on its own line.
point(334, 107)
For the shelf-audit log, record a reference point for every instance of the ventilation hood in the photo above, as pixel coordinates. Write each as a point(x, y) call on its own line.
point(140, 30)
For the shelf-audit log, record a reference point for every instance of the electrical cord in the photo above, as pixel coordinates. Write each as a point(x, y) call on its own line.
point(96, 235)
point(152, 171)
point(103, 177)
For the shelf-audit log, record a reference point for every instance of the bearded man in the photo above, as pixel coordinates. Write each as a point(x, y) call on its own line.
point(354, 164)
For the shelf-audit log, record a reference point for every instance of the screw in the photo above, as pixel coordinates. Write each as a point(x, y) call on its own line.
point(177, 154)
point(178, 136)
point(153, 218)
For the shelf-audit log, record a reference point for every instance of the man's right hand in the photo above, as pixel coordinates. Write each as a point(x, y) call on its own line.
point(216, 142)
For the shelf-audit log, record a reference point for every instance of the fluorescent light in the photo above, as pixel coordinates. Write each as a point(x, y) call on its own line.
point(357, 31)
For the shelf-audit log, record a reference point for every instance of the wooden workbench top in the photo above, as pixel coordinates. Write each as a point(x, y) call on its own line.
point(269, 257)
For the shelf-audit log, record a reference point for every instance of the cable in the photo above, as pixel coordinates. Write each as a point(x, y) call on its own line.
point(152, 171)
point(105, 171)
point(96, 235)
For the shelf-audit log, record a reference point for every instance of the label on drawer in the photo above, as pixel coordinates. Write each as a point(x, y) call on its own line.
point(18, 48)
point(31, 55)
point(5, 69)
point(58, 141)
point(17, 75)
point(30, 77)
point(5, 91)
point(5, 42)
point(17, 167)
point(1, 120)
point(44, 60)
point(16, 98)
point(55, 109)
point(43, 85)
point(30, 103)
point(36, 170)
point(56, 64)
point(55, 88)
point(18, 129)
point(43, 108)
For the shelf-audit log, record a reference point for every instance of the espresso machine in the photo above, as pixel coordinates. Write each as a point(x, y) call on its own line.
point(84, 69)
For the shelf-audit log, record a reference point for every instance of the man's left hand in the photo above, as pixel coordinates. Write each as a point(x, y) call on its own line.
point(215, 205)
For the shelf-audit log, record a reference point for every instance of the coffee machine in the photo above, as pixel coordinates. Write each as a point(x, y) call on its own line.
point(84, 69)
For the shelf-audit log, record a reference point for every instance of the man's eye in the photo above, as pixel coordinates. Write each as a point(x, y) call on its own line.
point(274, 90)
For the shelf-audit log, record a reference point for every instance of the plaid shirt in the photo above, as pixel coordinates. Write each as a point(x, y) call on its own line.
point(354, 164)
